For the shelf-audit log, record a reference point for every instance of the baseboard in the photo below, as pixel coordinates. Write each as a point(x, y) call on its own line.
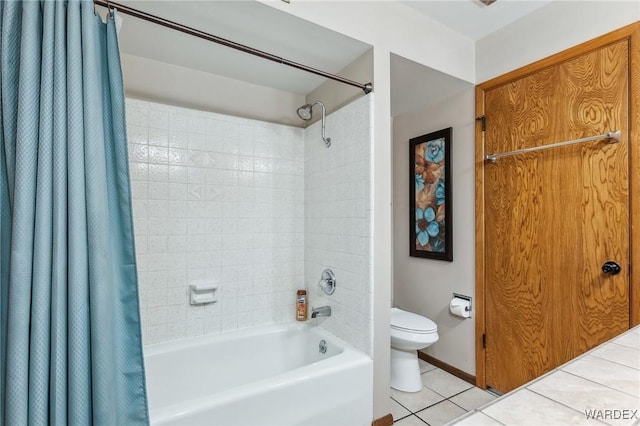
point(383, 421)
point(448, 368)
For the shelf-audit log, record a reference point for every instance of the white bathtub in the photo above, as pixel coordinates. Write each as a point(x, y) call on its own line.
point(273, 375)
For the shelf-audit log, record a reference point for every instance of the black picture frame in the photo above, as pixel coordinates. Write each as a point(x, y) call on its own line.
point(431, 227)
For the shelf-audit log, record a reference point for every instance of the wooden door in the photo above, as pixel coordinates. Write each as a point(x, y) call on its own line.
point(553, 217)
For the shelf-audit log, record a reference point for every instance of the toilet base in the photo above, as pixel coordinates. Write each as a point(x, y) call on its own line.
point(405, 370)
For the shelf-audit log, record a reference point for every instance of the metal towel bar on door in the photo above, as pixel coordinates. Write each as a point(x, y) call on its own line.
point(612, 136)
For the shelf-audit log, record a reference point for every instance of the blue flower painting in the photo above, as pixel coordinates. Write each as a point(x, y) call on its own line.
point(425, 221)
point(431, 227)
point(419, 183)
point(440, 192)
point(434, 150)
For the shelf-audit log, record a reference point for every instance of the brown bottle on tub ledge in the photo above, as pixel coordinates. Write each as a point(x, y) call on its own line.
point(301, 305)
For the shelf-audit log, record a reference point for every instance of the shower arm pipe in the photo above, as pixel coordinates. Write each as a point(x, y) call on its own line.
point(366, 87)
point(327, 141)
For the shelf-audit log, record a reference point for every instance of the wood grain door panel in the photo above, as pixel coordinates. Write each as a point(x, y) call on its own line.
point(553, 217)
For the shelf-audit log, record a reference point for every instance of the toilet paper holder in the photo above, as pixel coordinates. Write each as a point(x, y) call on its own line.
point(467, 308)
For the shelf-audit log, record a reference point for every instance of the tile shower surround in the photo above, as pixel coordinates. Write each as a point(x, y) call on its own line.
point(222, 199)
point(215, 199)
point(338, 220)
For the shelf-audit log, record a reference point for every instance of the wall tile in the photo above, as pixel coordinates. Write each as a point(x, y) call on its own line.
point(244, 204)
point(199, 212)
point(338, 220)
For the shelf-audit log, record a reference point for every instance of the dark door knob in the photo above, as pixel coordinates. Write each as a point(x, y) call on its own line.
point(610, 267)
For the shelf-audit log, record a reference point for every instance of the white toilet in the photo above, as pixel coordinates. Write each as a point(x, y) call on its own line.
point(409, 332)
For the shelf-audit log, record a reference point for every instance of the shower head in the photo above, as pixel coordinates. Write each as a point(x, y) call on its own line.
point(305, 112)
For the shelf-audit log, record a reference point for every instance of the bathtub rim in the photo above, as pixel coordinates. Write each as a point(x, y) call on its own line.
point(190, 342)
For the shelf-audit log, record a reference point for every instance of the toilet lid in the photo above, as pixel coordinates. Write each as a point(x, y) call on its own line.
point(407, 321)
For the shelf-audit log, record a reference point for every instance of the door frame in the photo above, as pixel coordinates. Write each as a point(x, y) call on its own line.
point(632, 34)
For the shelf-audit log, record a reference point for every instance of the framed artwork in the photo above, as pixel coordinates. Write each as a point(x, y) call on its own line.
point(430, 196)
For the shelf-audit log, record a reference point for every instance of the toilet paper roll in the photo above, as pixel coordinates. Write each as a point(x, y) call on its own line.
point(460, 307)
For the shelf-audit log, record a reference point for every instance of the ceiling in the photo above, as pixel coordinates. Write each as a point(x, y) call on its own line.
point(415, 86)
point(473, 19)
point(262, 27)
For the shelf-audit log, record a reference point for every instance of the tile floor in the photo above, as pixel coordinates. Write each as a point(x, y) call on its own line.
point(444, 397)
point(599, 387)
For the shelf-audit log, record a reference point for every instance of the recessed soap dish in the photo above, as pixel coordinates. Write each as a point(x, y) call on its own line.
point(201, 294)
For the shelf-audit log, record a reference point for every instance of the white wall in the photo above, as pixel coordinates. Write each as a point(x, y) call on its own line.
point(217, 199)
point(425, 286)
point(553, 28)
point(337, 209)
point(155, 81)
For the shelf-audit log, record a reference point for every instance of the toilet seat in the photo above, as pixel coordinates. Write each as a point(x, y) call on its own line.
point(411, 323)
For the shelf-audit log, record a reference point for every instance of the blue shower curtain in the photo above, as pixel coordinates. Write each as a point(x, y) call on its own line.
point(70, 342)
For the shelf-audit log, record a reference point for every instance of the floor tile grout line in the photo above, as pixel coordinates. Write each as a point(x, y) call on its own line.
point(593, 381)
point(622, 344)
point(410, 410)
point(460, 393)
point(444, 398)
point(420, 418)
point(485, 414)
point(424, 409)
point(449, 400)
point(613, 342)
point(594, 354)
point(403, 417)
point(428, 406)
point(415, 413)
point(457, 405)
point(434, 391)
point(406, 408)
point(555, 401)
point(455, 394)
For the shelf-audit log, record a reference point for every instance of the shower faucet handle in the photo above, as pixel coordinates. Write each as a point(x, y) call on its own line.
point(327, 282)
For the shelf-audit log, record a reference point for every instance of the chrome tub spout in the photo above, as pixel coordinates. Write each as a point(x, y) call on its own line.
point(322, 311)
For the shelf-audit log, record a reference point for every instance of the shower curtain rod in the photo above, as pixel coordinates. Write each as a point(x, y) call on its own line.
point(367, 87)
